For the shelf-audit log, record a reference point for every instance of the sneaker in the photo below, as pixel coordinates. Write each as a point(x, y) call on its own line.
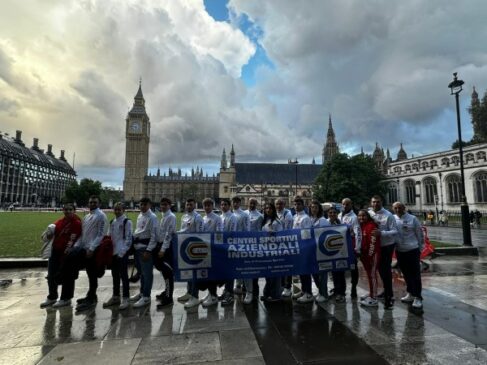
point(388, 304)
point(62, 303)
point(340, 298)
point(249, 297)
point(161, 296)
point(47, 303)
point(142, 302)
point(112, 301)
point(209, 301)
point(227, 298)
point(238, 289)
point(135, 297)
point(369, 302)
point(417, 303)
point(124, 304)
point(81, 300)
point(165, 302)
point(353, 293)
point(408, 298)
point(320, 298)
point(297, 295)
point(380, 295)
point(286, 293)
point(363, 297)
point(306, 298)
point(87, 304)
point(193, 302)
point(184, 298)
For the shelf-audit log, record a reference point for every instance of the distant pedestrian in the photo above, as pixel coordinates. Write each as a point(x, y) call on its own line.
point(321, 278)
point(477, 217)
point(286, 218)
point(66, 231)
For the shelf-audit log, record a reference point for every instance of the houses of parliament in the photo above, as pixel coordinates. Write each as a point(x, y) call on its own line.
point(426, 182)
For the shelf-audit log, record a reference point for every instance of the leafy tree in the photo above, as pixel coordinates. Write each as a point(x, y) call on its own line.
point(79, 193)
point(355, 177)
point(110, 194)
point(456, 144)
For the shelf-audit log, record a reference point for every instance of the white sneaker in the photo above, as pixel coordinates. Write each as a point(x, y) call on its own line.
point(321, 298)
point(135, 297)
point(193, 302)
point(363, 297)
point(62, 303)
point(369, 302)
point(286, 293)
point(407, 299)
point(142, 302)
point(297, 295)
point(47, 303)
point(249, 297)
point(417, 303)
point(184, 298)
point(209, 301)
point(306, 298)
point(124, 304)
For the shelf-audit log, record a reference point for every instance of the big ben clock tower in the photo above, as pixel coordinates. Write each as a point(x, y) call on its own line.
point(137, 135)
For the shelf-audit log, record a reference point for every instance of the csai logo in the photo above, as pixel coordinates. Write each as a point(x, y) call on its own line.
point(194, 250)
point(329, 243)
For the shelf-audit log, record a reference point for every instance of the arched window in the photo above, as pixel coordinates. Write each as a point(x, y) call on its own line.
point(415, 167)
point(397, 169)
point(410, 192)
point(469, 157)
point(424, 165)
point(430, 190)
point(445, 162)
point(481, 187)
point(408, 168)
point(433, 164)
point(392, 193)
point(455, 160)
point(454, 186)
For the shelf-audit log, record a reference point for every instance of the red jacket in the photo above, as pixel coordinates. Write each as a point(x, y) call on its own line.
point(370, 243)
point(64, 229)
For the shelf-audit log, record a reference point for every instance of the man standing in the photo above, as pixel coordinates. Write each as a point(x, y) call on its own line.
point(387, 232)
point(256, 218)
point(302, 220)
point(348, 217)
point(408, 253)
point(145, 241)
point(229, 221)
point(191, 222)
point(166, 236)
point(243, 225)
point(286, 218)
point(94, 227)
point(212, 222)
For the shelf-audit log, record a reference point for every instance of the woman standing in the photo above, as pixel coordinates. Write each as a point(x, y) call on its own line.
point(370, 252)
point(66, 232)
point(321, 279)
point(270, 223)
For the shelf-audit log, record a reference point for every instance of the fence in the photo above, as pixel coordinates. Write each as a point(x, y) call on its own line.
point(452, 218)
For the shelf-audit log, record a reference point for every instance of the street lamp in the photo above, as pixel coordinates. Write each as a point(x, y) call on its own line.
point(456, 87)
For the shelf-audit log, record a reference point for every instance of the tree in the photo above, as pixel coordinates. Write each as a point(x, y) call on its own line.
point(354, 177)
point(79, 193)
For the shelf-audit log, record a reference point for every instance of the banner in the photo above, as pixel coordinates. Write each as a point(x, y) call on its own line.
point(235, 255)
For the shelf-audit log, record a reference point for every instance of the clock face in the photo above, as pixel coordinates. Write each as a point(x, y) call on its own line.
point(135, 127)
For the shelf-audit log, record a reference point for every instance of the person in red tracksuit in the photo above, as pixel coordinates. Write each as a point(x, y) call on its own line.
point(370, 252)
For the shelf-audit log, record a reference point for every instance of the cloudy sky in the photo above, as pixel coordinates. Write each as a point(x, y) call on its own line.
point(263, 75)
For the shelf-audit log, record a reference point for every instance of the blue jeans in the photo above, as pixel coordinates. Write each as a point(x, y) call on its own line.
point(147, 276)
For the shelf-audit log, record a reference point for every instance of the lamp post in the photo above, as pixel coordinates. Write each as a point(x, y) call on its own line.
point(456, 87)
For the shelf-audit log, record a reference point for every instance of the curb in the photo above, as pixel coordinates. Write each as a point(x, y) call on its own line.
point(458, 251)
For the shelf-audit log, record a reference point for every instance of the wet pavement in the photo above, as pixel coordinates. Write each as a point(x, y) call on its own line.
point(452, 330)
point(455, 235)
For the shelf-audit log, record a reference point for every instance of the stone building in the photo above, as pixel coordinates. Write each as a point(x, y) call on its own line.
point(30, 176)
point(264, 181)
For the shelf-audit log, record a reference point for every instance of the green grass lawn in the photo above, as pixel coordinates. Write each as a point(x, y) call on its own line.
point(20, 232)
point(437, 244)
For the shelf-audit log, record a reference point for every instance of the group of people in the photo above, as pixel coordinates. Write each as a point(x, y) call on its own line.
point(376, 235)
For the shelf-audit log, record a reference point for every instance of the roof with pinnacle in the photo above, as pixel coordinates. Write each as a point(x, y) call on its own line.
point(138, 109)
point(276, 174)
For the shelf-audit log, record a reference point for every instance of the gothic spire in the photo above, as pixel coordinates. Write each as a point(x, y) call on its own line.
point(223, 164)
point(331, 147)
point(232, 157)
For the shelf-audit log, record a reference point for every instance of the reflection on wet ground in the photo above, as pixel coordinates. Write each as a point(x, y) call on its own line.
point(452, 330)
